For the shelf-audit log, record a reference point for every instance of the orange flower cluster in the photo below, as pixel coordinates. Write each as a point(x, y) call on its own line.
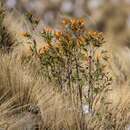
point(76, 34)
point(96, 37)
point(75, 24)
point(74, 21)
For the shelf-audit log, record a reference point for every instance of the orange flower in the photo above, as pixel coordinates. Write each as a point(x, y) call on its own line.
point(58, 34)
point(25, 34)
point(65, 21)
point(96, 34)
point(82, 21)
point(73, 21)
point(92, 33)
point(80, 41)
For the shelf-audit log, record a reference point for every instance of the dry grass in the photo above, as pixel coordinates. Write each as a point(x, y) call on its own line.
point(27, 100)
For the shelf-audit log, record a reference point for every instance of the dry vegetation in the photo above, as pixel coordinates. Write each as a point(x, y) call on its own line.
point(47, 77)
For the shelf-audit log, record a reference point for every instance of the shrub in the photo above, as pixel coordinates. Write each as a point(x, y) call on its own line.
point(74, 59)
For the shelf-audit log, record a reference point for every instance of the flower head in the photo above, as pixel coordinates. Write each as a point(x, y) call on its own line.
point(95, 34)
point(74, 21)
point(58, 35)
point(82, 21)
point(65, 21)
point(25, 34)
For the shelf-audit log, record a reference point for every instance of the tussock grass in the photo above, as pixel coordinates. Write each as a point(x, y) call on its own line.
point(25, 97)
